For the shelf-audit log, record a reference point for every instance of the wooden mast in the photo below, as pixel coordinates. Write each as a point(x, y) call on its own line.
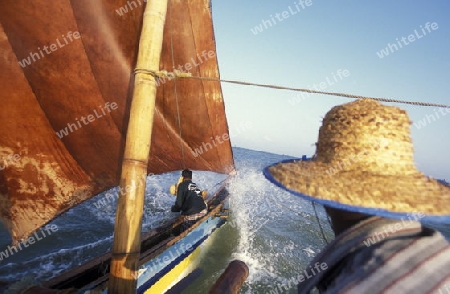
point(127, 231)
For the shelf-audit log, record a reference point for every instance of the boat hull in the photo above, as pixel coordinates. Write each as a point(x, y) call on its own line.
point(166, 254)
point(160, 273)
point(178, 260)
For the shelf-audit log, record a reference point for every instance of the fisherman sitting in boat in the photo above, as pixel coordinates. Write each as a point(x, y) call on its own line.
point(189, 200)
point(376, 200)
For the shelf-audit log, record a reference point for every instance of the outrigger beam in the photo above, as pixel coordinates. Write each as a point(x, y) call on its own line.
point(127, 230)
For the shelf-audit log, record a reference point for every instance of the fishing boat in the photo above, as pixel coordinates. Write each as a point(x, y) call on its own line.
point(91, 99)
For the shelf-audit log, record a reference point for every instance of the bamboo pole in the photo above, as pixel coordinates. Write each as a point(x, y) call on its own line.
point(127, 231)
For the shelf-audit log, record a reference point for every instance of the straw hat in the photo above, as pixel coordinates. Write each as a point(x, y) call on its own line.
point(364, 163)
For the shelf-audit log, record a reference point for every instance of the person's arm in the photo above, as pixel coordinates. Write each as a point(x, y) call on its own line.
point(180, 198)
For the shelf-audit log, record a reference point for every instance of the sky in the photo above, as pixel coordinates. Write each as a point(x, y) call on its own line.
point(345, 46)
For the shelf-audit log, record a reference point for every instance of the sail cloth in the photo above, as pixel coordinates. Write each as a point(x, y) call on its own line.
point(66, 74)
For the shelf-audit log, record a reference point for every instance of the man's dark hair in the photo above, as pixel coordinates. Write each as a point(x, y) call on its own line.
point(187, 174)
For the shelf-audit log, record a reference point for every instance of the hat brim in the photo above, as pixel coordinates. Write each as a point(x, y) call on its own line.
point(398, 197)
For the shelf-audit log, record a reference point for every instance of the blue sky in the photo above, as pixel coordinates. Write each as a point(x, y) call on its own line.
point(310, 45)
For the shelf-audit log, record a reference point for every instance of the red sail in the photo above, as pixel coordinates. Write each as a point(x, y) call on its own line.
point(66, 74)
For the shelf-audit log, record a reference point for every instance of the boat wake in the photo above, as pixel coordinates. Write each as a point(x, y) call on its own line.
point(278, 231)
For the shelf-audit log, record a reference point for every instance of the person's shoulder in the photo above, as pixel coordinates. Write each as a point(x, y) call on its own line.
point(398, 259)
point(192, 186)
point(184, 184)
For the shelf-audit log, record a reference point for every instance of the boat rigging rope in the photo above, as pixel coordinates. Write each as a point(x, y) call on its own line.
point(315, 212)
point(351, 96)
point(175, 88)
point(318, 221)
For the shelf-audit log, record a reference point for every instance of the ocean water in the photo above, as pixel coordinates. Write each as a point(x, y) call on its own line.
point(275, 233)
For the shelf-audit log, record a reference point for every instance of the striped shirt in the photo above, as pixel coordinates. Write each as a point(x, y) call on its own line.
point(380, 255)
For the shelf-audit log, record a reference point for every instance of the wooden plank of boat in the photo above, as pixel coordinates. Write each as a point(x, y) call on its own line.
point(232, 279)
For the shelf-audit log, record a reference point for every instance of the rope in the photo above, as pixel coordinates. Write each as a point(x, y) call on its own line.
point(351, 96)
point(163, 73)
point(315, 212)
point(175, 87)
point(318, 221)
point(146, 71)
